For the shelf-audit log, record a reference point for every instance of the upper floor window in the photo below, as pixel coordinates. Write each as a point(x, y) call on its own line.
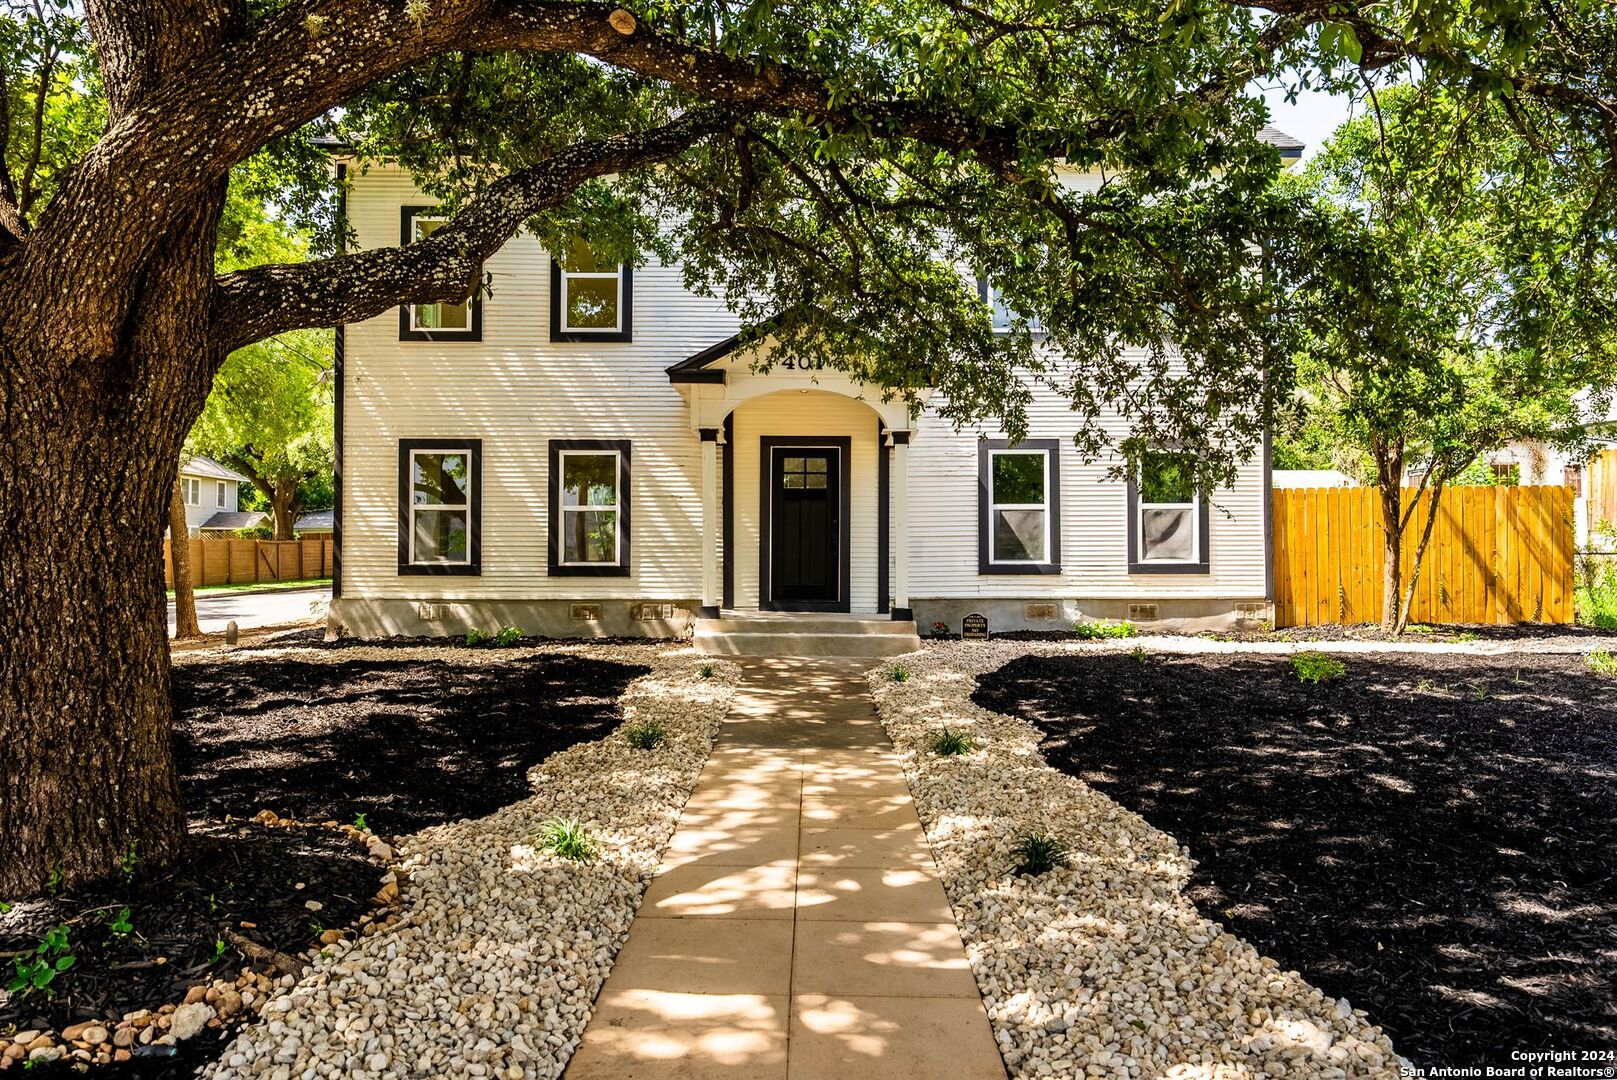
point(1168, 525)
point(435, 322)
point(1002, 315)
point(219, 494)
point(192, 488)
point(440, 484)
point(1019, 507)
point(590, 299)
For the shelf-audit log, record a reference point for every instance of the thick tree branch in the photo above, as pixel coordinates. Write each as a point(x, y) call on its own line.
point(253, 304)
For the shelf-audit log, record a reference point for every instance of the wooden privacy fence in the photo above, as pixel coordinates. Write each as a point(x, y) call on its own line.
point(1600, 487)
point(1498, 555)
point(244, 562)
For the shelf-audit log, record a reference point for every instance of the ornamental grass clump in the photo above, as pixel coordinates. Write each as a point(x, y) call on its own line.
point(951, 743)
point(567, 839)
point(645, 734)
point(899, 673)
point(1104, 628)
point(1038, 853)
point(1316, 667)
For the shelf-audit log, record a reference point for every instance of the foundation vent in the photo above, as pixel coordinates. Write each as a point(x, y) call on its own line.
point(427, 612)
point(1251, 612)
point(654, 612)
point(584, 612)
point(1042, 612)
point(1142, 612)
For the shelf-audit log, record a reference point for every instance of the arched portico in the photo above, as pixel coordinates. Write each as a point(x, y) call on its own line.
point(804, 479)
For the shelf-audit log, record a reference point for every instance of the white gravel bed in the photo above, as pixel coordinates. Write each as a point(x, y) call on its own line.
point(1103, 967)
point(493, 967)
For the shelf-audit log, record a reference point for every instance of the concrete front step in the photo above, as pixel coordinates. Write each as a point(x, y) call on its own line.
point(781, 634)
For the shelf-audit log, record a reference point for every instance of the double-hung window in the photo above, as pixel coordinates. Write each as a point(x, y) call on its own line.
point(1168, 526)
point(440, 491)
point(1019, 507)
point(1002, 315)
point(439, 321)
point(193, 490)
point(589, 507)
point(590, 299)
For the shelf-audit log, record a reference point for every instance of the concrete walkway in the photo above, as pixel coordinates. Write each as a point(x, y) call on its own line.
point(797, 927)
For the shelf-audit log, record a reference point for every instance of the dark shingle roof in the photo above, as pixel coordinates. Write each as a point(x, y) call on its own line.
point(231, 520)
point(1289, 146)
point(315, 521)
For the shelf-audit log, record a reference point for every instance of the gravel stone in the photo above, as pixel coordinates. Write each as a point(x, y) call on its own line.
point(492, 967)
point(1102, 967)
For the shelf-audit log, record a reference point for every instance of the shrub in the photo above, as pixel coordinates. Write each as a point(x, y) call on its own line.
point(508, 636)
point(951, 743)
point(1104, 628)
point(645, 734)
point(706, 671)
point(1602, 661)
point(899, 673)
point(1316, 667)
point(475, 637)
point(1038, 853)
point(567, 839)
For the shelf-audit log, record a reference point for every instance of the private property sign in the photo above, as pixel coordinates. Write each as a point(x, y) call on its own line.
point(974, 627)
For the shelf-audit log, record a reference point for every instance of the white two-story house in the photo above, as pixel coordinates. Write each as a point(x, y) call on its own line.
point(589, 450)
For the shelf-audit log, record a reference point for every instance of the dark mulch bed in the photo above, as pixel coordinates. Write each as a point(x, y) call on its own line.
point(315, 638)
point(1446, 633)
point(1430, 837)
point(407, 743)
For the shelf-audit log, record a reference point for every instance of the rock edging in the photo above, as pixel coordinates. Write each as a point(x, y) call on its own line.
point(1104, 966)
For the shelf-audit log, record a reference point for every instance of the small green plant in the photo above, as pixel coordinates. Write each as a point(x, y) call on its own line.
point(218, 949)
point(475, 637)
point(1468, 635)
point(508, 636)
point(359, 821)
point(1038, 853)
point(34, 972)
point(951, 743)
point(899, 673)
point(127, 863)
point(1423, 685)
point(645, 734)
point(567, 839)
point(119, 924)
point(1480, 690)
point(1316, 667)
point(1139, 653)
point(1104, 628)
point(315, 928)
point(1602, 661)
point(706, 671)
point(1418, 628)
point(53, 881)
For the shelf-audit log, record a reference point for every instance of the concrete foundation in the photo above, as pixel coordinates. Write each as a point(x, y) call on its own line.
point(1150, 615)
point(361, 618)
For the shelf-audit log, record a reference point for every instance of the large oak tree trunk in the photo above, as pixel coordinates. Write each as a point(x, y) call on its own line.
point(92, 421)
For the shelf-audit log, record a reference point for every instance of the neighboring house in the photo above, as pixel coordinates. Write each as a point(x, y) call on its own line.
point(589, 451)
point(315, 523)
point(1310, 478)
point(210, 491)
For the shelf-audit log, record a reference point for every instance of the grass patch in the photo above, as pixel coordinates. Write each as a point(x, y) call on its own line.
point(1602, 661)
point(899, 673)
point(706, 671)
point(259, 586)
point(645, 734)
point(1100, 629)
point(1038, 853)
point(951, 743)
point(567, 839)
point(1316, 667)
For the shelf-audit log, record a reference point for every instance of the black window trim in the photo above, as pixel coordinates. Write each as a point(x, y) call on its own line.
point(985, 459)
point(621, 568)
point(1203, 563)
point(1036, 329)
point(407, 332)
point(625, 330)
point(473, 567)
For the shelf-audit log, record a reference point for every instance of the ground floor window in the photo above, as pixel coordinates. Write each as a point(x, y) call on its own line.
point(589, 507)
point(1168, 526)
point(1019, 507)
point(440, 498)
point(192, 488)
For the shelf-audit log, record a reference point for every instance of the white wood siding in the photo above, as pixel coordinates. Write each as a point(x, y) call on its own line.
point(516, 390)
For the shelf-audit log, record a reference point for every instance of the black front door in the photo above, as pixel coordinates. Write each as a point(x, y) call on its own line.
point(805, 556)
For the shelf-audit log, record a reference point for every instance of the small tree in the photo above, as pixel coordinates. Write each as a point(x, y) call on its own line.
point(179, 558)
point(1459, 322)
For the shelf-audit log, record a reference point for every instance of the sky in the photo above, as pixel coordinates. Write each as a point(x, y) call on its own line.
point(1312, 119)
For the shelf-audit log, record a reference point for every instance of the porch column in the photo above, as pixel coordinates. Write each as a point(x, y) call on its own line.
point(901, 526)
point(710, 524)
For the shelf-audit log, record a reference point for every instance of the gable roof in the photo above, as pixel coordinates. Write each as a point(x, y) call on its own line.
point(693, 369)
point(206, 466)
point(316, 520)
point(231, 520)
point(1289, 146)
